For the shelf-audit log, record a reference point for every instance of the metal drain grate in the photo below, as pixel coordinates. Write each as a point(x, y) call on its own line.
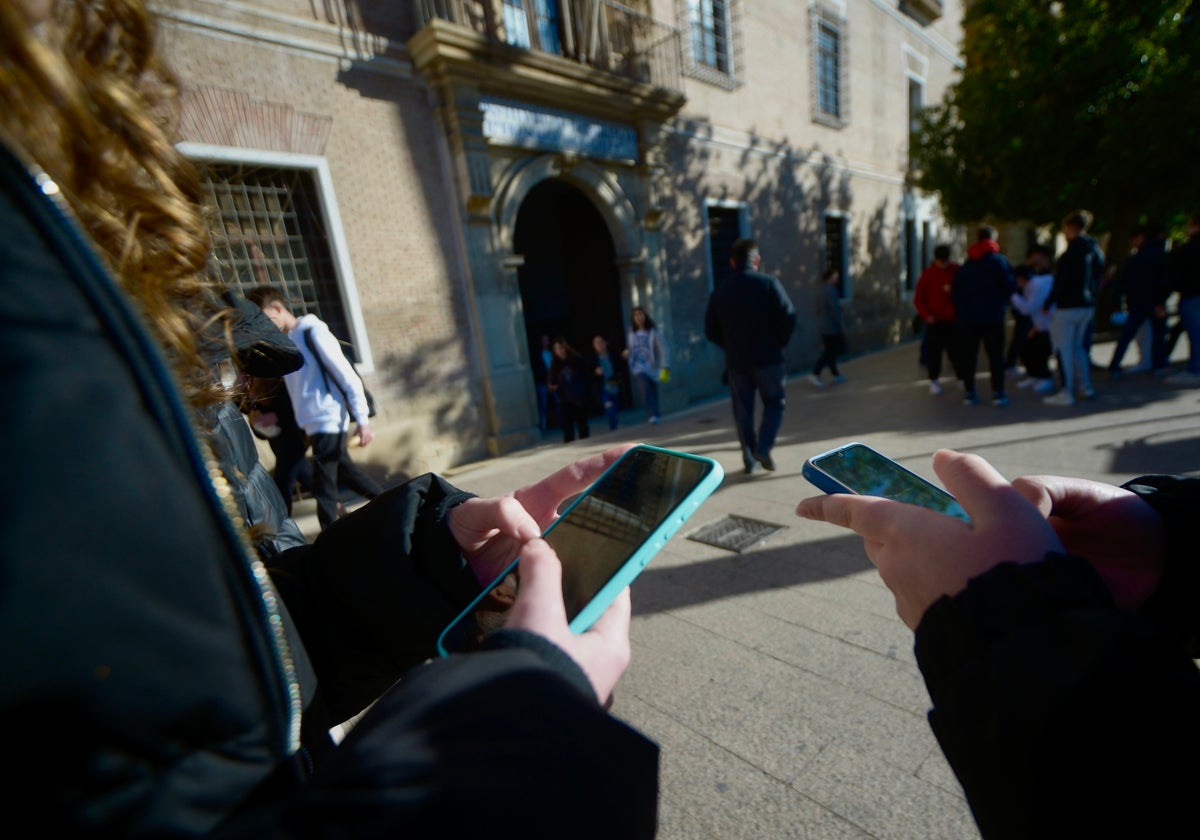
point(736, 533)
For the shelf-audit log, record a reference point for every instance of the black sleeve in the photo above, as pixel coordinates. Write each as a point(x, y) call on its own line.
point(493, 743)
point(1060, 715)
point(375, 589)
point(1174, 604)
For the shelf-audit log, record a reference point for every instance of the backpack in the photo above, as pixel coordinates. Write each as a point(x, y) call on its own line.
point(312, 346)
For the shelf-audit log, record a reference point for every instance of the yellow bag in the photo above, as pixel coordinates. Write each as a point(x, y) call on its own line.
point(664, 375)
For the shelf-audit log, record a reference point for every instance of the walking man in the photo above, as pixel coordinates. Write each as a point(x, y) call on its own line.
point(1184, 273)
point(326, 394)
point(982, 288)
point(751, 318)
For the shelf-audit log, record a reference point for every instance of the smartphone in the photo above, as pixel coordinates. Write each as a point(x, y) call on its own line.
point(604, 539)
point(857, 468)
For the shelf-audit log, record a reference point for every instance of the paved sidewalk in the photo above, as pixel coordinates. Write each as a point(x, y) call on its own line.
point(779, 681)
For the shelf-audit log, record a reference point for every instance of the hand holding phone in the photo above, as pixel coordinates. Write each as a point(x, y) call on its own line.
point(857, 468)
point(922, 555)
point(603, 651)
point(604, 539)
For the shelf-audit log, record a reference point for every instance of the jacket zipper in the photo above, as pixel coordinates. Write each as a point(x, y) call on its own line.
point(203, 464)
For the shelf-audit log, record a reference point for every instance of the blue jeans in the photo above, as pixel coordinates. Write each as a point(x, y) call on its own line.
point(648, 385)
point(770, 383)
point(1189, 317)
point(1069, 329)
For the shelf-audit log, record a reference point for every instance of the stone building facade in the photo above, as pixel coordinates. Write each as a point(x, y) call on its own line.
point(445, 181)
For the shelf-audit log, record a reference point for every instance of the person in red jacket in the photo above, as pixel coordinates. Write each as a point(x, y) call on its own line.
point(932, 299)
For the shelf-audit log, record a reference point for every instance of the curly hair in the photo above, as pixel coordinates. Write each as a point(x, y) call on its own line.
point(86, 96)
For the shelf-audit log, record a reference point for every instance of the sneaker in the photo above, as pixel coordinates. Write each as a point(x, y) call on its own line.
point(816, 380)
point(971, 399)
point(1044, 386)
point(935, 388)
point(750, 469)
point(654, 421)
point(1089, 394)
point(1061, 398)
point(767, 463)
point(1000, 400)
point(1013, 371)
point(1027, 382)
point(839, 379)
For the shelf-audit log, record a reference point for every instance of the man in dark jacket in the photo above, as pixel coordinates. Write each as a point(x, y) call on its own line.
point(1184, 273)
point(1076, 278)
point(981, 291)
point(751, 317)
point(1142, 284)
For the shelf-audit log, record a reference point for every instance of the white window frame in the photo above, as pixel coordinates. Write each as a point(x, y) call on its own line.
point(825, 15)
point(338, 249)
point(689, 14)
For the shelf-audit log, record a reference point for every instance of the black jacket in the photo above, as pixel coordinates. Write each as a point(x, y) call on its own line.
point(1077, 274)
point(1142, 282)
point(751, 317)
point(1184, 268)
point(983, 286)
point(1061, 715)
point(155, 682)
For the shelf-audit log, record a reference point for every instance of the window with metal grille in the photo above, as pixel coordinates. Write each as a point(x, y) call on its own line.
point(829, 67)
point(267, 229)
point(713, 40)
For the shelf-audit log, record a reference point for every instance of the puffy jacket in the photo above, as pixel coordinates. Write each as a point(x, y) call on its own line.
point(982, 286)
point(159, 684)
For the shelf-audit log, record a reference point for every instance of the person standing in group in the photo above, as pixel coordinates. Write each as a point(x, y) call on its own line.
point(571, 386)
point(1075, 280)
point(833, 337)
point(609, 372)
point(1032, 290)
point(981, 292)
point(936, 309)
point(751, 318)
point(541, 358)
point(649, 362)
point(327, 395)
point(1142, 285)
point(1184, 273)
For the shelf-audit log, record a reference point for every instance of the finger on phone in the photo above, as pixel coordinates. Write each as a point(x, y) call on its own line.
point(541, 577)
point(570, 480)
point(969, 478)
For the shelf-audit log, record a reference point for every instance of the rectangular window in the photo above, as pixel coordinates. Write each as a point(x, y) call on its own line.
point(912, 254)
point(837, 251)
point(724, 228)
point(926, 244)
point(711, 39)
point(267, 229)
point(829, 67)
point(516, 23)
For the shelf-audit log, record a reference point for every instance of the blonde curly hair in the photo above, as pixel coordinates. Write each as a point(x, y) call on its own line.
point(86, 96)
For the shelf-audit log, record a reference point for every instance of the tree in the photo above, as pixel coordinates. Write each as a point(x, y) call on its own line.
point(1092, 103)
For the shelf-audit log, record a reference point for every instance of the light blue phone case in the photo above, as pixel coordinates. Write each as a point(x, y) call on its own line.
point(638, 558)
point(919, 490)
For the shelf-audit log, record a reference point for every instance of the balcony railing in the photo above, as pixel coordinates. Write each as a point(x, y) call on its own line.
point(598, 33)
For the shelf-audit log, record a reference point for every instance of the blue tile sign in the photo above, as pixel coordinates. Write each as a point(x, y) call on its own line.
point(509, 123)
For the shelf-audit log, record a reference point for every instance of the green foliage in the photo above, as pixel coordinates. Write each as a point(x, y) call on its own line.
point(1089, 103)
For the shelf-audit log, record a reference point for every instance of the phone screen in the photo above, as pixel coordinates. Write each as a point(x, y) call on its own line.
point(868, 473)
point(595, 538)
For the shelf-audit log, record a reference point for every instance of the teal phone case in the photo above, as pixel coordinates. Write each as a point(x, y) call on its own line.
point(638, 558)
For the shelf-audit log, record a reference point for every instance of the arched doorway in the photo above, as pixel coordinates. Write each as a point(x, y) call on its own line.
point(569, 281)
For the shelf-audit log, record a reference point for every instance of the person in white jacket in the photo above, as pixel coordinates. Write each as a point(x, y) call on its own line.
point(326, 394)
point(1033, 287)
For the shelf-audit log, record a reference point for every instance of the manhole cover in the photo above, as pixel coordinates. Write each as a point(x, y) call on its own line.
point(736, 533)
